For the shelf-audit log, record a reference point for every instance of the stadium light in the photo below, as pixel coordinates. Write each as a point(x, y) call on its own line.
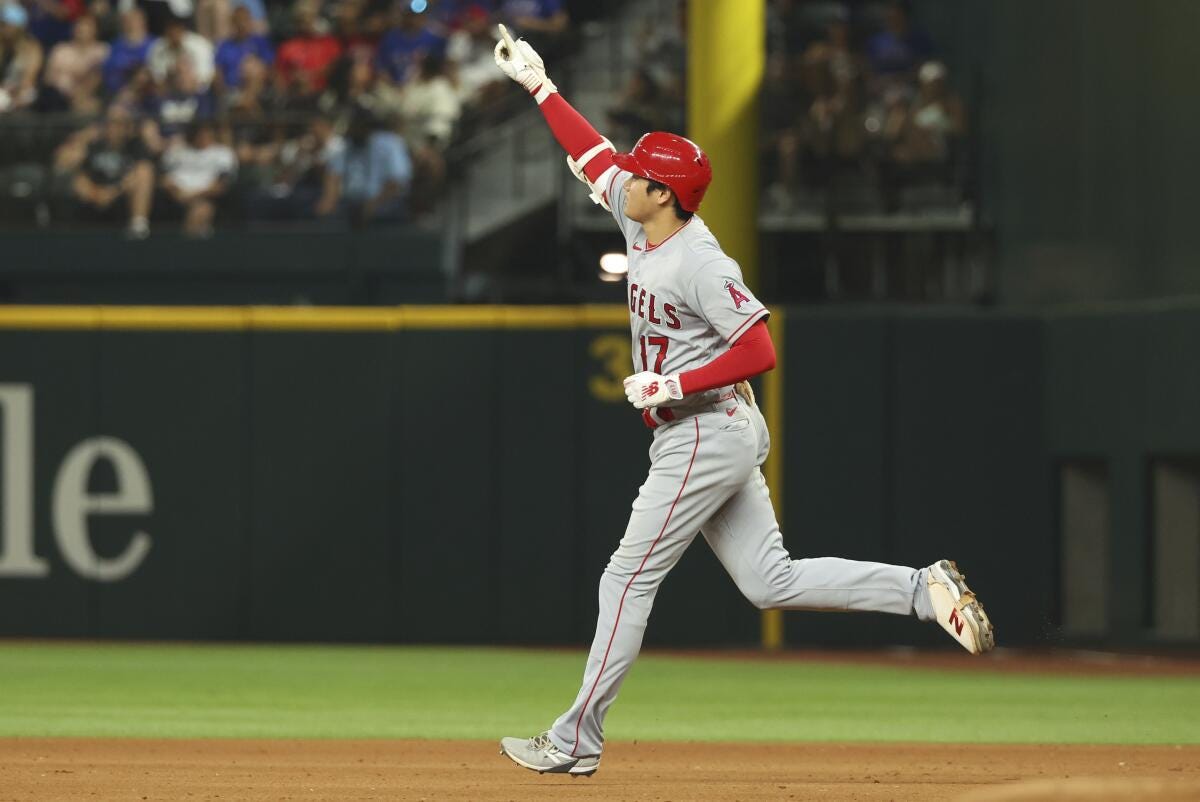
point(614, 264)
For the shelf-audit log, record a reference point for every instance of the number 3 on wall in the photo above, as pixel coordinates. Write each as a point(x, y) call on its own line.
point(612, 351)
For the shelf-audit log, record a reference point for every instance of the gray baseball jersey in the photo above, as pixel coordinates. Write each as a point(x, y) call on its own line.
point(687, 304)
point(687, 299)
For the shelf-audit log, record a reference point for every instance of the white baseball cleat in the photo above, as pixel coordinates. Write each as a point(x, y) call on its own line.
point(957, 609)
point(541, 755)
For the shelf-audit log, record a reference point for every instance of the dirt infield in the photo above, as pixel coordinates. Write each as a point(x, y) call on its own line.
point(81, 769)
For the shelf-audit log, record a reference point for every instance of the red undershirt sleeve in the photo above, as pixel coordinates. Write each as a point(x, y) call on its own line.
point(751, 354)
point(575, 134)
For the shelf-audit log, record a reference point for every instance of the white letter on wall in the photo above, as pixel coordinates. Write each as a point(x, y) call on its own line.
point(72, 504)
point(16, 538)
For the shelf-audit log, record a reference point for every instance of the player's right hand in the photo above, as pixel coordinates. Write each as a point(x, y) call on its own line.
point(648, 389)
point(519, 61)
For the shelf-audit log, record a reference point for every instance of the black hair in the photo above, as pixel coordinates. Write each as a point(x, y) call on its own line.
point(680, 212)
point(193, 129)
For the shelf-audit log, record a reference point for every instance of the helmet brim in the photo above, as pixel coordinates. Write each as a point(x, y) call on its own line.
point(629, 163)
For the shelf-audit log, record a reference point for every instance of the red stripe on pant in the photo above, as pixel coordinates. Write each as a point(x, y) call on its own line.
point(621, 604)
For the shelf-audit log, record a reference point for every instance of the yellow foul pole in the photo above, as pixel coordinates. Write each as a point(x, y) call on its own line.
point(773, 394)
point(726, 61)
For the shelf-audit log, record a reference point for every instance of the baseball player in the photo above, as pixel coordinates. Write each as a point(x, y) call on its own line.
point(697, 333)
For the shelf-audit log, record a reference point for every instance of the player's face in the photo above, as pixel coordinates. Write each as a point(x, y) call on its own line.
point(632, 196)
point(639, 204)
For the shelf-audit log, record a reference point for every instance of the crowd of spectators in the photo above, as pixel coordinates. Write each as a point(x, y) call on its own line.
point(855, 91)
point(195, 110)
point(343, 110)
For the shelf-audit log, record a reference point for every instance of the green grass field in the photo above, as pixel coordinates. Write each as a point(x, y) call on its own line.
point(416, 692)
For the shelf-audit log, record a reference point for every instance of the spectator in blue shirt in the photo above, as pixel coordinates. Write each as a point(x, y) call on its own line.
point(404, 46)
point(128, 51)
point(367, 175)
point(243, 43)
point(183, 103)
point(898, 50)
point(542, 22)
point(51, 21)
point(545, 17)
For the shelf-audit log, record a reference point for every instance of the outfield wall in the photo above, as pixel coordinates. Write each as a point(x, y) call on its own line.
point(461, 475)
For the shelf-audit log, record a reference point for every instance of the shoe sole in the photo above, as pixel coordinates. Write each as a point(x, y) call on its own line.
point(973, 610)
point(573, 769)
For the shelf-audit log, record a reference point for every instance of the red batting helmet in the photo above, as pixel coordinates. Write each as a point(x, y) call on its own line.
point(672, 160)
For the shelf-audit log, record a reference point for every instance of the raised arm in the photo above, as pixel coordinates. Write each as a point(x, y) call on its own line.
point(589, 155)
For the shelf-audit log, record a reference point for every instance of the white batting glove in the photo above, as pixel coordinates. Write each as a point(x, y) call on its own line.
point(521, 62)
point(648, 389)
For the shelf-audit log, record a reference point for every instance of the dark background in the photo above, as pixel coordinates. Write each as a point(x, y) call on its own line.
point(407, 486)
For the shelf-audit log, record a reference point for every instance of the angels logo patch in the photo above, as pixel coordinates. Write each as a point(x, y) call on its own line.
point(737, 295)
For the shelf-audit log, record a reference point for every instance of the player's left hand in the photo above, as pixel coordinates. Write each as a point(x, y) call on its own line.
point(519, 61)
point(648, 389)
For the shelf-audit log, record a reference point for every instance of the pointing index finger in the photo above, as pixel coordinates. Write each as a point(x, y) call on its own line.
point(508, 40)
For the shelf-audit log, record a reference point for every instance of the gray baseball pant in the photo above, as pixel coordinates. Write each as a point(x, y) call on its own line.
point(704, 477)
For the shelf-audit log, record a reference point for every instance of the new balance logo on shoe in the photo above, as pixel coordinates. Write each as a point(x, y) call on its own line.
point(956, 609)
